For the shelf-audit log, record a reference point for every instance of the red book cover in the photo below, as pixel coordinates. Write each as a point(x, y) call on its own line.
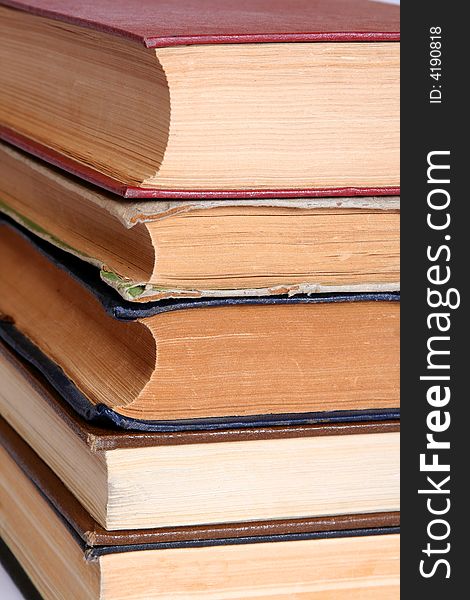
point(167, 23)
point(159, 23)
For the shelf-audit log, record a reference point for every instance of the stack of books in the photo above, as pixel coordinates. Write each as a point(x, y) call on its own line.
point(199, 316)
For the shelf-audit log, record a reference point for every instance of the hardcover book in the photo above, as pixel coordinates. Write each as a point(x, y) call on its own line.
point(204, 363)
point(47, 531)
point(174, 100)
point(238, 477)
point(150, 250)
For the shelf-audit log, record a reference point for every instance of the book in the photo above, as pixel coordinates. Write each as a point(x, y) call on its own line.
point(150, 250)
point(42, 524)
point(204, 363)
point(173, 100)
point(131, 480)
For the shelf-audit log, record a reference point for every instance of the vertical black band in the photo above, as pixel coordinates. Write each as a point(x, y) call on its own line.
point(435, 258)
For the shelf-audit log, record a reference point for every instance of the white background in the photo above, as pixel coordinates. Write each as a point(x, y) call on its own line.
point(8, 589)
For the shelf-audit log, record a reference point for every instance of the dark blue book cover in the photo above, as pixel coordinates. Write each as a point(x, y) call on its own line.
point(121, 310)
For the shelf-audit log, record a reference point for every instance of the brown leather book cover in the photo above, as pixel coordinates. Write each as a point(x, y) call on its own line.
point(93, 535)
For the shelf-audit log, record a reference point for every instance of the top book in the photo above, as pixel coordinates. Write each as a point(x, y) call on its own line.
point(170, 99)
